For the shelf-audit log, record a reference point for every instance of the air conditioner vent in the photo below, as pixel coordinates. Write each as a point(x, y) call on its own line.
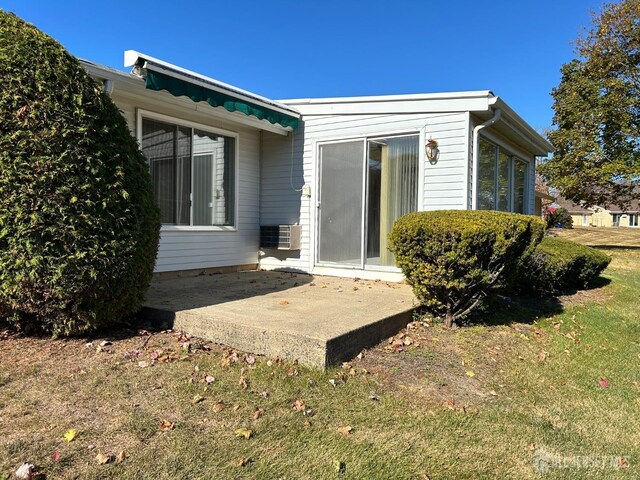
point(282, 237)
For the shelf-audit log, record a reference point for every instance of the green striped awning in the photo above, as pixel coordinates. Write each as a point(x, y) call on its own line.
point(198, 93)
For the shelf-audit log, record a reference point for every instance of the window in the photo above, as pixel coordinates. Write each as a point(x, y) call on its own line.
point(616, 219)
point(193, 173)
point(502, 180)
point(634, 220)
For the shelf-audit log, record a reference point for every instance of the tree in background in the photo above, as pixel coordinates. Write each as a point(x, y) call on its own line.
point(597, 113)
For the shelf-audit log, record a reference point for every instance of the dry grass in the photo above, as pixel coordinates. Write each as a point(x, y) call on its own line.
point(602, 236)
point(481, 401)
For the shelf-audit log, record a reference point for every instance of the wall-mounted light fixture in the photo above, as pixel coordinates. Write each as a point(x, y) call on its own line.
point(431, 151)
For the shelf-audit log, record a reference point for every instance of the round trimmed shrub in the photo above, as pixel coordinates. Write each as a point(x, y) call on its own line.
point(78, 225)
point(456, 258)
point(558, 264)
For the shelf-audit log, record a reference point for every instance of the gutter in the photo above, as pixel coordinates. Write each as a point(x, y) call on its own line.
point(476, 156)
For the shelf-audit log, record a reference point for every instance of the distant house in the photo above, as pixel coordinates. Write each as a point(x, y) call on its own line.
point(596, 216)
point(314, 184)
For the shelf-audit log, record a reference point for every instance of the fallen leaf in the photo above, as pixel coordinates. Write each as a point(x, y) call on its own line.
point(284, 302)
point(218, 406)
point(493, 393)
point(250, 360)
point(298, 405)
point(143, 364)
point(209, 379)
point(25, 471)
point(345, 430)
point(70, 435)
point(197, 399)
point(340, 466)
point(55, 456)
point(542, 355)
point(258, 412)
point(604, 383)
point(102, 459)
point(241, 462)
point(470, 373)
point(333, 383)
point(244, 432)
point(121, 456)
point(166, 425)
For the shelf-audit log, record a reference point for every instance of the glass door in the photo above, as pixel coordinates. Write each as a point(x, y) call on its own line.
point(365, 186)
point(340, 206)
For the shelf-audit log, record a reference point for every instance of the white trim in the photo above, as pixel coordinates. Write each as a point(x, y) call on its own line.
point(142, 113)
point(467, 155)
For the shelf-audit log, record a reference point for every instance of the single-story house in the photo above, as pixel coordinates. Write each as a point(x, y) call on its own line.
point(314, 184)
point(596, 216)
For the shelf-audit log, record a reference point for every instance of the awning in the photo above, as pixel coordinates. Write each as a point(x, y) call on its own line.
point(198, 93)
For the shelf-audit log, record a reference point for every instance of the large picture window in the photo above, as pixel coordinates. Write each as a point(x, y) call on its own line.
point(502, 180)
point(192, 171)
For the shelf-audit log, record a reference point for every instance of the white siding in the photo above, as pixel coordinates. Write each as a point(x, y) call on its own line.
point(201, 248)
point(288, 164)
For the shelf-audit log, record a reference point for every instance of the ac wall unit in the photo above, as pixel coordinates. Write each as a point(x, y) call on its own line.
point(282, 237)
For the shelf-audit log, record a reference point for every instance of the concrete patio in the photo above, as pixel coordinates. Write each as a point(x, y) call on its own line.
point(318, 320)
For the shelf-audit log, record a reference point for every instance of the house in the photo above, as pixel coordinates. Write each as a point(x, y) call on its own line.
point(312, 185)
point(580, 215)
point(596, 216)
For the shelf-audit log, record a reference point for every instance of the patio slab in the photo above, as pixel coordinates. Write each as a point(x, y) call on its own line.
point(318, 320)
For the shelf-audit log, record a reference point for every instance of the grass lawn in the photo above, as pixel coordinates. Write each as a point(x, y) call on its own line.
point(556, 380)
point(602, 236)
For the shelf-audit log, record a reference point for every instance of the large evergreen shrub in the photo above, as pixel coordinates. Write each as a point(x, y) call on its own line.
point(456, 258)
point(78, 225)
point(558, 264)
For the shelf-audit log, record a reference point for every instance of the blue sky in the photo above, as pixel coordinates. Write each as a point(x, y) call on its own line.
point(303, 48)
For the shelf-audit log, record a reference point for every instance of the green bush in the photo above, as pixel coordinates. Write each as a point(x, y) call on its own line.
point(456, 258)
point(558, 264)
point(78, 225)
point(559, 217)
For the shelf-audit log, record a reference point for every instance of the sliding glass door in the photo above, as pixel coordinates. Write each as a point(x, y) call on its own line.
point(365, 186)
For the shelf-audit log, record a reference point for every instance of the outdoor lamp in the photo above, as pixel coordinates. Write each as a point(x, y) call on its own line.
point(431, 151)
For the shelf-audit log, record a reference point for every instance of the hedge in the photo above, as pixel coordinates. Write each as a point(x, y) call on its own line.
point(78, 225)
point(558, 264)
point(454, 259)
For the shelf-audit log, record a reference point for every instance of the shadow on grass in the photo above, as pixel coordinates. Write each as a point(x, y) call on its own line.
point(526, 308)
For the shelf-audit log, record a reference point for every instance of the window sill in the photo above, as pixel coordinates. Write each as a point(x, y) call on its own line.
point(197, 228)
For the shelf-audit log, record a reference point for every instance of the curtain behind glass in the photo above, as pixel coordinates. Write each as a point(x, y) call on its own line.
point(213, 179)
point(168, 149)
point(398, 191)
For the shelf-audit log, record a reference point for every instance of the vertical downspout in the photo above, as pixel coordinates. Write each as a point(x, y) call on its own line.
point(476, 156)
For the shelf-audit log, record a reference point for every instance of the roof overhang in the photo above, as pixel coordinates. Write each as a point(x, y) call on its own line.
point(159, 75)
point(481, 103)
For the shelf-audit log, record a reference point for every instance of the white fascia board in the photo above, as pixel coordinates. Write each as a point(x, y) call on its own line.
point(516, 122)
point(132, 57)
point(405, 104)
point(133, 87)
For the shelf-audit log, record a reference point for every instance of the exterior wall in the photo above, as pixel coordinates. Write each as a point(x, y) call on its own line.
point(290, 162)
point(601, 218)
point(187, 248)
point(578, 220)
